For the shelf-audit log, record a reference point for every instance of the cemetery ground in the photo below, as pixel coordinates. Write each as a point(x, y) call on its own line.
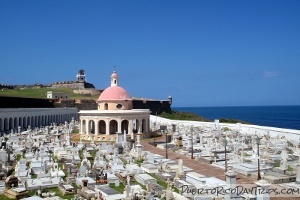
point(173, 153)
point(200, 167)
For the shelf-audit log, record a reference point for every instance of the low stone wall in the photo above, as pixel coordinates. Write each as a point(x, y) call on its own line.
point(289, 134)
point(83, 104)
point(87, 91)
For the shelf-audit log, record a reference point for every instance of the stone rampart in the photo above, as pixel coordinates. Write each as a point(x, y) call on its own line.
point(155, 106)
point(82, 104)
point(72, 85)
point(88, 91)
point(22, 102)
point(4, 86)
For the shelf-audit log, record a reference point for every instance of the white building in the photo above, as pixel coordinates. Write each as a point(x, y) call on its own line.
point(13, 118)
point(57, 95)
point(114, 114)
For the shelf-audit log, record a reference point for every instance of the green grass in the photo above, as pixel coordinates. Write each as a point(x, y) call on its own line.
point(31, 192)
point(19, 156)
point(56, 190)
point(226, 129)
point(183, 116)
point(42, 93)
point(139, 162)
point(277, 164)
point(93, 154)
point(163, 183)
point(176, 115)
point(232, 121)
point(120, 189)
point(290, 169)
point(159, 181)
point(59, 193)
point(80, 152)
point(137, 183)
point(75, 131)
point(3, 197)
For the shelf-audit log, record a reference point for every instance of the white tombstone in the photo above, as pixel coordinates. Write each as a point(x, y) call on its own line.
point(138, 139)
point(124, 136)
point(189, 142)
point(104, 146)
point(132, 135)
point(298, 172)
point(127, 191)
point(119, 137)
point(82, 171)
point(139, 148)
point(169, 192)
point(262, 187)
point(150, 157)
point(110, 149)
point(201, 139)
point(180, 167)
point(283, 163)
point(117, 183)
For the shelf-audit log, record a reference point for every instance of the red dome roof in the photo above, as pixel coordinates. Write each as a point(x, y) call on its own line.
point(114, 93)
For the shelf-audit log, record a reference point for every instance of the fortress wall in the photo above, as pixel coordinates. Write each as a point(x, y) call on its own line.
point(83, 104)
point(88, 85)
point(154, 106)
point(87, 104)
point(3, 86)
point(88, 91)
point(72, 85)
point(22, 102)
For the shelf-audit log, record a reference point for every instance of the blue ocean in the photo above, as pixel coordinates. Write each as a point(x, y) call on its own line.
point(274, 116)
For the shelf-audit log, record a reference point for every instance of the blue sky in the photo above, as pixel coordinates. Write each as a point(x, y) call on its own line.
point(202, 53)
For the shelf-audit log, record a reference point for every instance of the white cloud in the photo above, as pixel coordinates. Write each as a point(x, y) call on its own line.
point(270, 74)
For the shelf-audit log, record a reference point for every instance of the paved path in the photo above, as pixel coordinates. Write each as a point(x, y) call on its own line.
point(201, 167)
point(197, 166)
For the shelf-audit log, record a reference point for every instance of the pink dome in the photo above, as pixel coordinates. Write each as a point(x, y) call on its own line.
point(114, 75)
point(114, 93)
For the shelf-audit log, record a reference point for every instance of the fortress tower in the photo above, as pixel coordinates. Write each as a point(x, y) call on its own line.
point(81, 76)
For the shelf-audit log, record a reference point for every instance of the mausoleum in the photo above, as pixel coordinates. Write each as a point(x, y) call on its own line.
point(114, 115)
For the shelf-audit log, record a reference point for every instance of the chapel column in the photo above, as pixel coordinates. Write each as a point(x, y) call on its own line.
point(130, 127)
point(140, 126)
point(87, 123)
point(119, 125)
point(81, 126)
point(12, 119)
point(146, 125)
point(2, 125)
point(107, 126)
point(96, 121)
point(17, 123)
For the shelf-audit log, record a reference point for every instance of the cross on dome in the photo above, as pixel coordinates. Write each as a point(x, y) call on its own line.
point(114, 92)
point(114, 79)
